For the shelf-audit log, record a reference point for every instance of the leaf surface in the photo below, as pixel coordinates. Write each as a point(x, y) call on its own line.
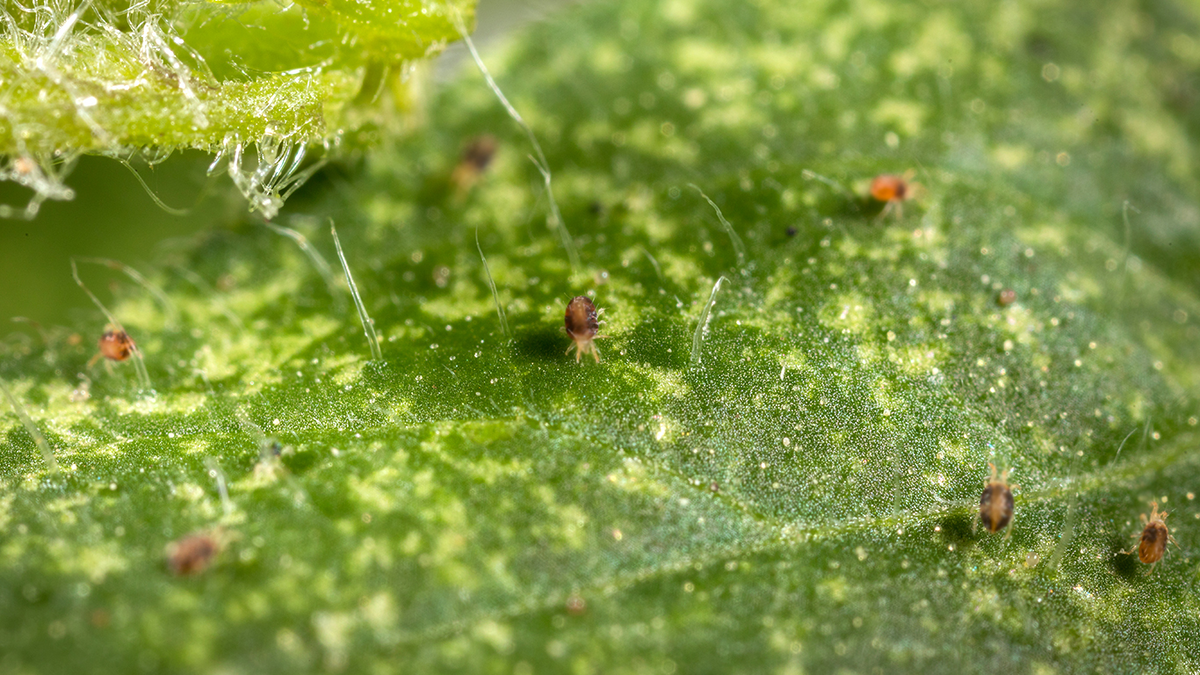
point(799, 497)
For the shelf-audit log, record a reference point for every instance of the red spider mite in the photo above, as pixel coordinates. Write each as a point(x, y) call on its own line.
point(996, 502)
point(192, 554)
point(1006, 297)
point(1154, 538)
point(582, 324)
point(892, 190)
point(115, 345)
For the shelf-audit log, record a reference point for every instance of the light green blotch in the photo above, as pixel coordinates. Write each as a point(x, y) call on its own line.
point(247, 297)
point(370, 556)
point(937, 300)
point(917, 360)
point(65, 507)
point(1158, 136)
point(569, 521)
point(333, 633)
point(986, 602)
point(905, 116)
point(61, 411)
point(837, 36)
point(589, 134)
point(702, 60)
point(344, 369)
point(780, 296)
point(633, 476)
point(386, 213)
point(1009, 25)
point(1040, 437)
point(849, 312)
point(666, 430)
point(94, 561)
point(738, 114)
point(505, 273)
point(1011, 157)
point(833, 588)
point(850, 248)
point(686, 272)
point(379, 490)
point(463, 300)
point(778, 60)
point(647, 137)
point(490, 471)
point(498, 636)
point(6, 501)
point(314, 328)
point(668, 384)
point(823, 77)
point(607, 58)
point(941, 43)
point(194, 446)
point(446, 517)
point(380, 613)
point(189, 492)
point(142, 405)
point(1054, 236)
point(1024, 326)
point(188, 402)
point(887, 401)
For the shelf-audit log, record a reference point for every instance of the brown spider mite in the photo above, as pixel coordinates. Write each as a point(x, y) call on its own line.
point(892, 190)
point(582, 325)
point(474, 161)
point(192, 554)
point(996, 502)
point(1155, 536)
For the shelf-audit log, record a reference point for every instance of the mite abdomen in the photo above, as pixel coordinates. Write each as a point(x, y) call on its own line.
point(582, 324)
point(1154, 543)
point(996, 506)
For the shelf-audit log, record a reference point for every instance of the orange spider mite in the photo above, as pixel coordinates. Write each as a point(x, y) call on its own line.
point(582, 324)
point(115, 344)
point(892, 190)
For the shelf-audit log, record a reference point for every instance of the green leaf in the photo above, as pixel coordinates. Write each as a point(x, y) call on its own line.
point(802, 499)
point(264, 78)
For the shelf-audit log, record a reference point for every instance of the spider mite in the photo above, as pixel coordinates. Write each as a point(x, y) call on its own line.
point(474, 161)
point(1155, 536)
point(576, 605)
point(192, 554)
point(1006, 297)
point(892, 190)
point(582, 325)
point(996, 502)
point(115, 345)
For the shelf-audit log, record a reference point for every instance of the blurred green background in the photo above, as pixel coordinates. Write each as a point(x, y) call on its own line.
point(111, 216)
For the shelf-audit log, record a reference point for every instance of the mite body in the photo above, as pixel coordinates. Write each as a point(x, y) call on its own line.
point(192, 554)
point(1154, 538)
point(582, 324)
point(115, 345)
point(996, 503)
point(892, 190)
point(474, 162)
